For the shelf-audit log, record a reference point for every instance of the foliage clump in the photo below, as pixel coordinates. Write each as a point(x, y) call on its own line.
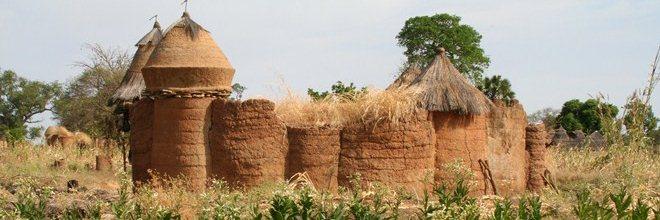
point(339, 91)
point(422, 36)
point(20, 100)
point(586, 116)
point(498, 88)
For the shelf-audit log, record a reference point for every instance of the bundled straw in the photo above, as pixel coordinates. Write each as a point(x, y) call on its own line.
point(371, 107)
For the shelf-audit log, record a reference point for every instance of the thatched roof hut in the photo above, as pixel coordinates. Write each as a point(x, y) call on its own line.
point(188, 60)
point(407, 77)
point(442, 88)
point(132, 84)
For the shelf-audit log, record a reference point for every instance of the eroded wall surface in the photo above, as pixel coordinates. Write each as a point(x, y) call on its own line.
point(460, 138)
point(248, 142)
point(506, 147)
point(399, 155)
point(314, 150)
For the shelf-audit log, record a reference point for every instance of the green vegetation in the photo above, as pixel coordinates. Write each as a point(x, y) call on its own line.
point(586, 116)
point(83, 104)
point(20, 100)
point(338, 91)
point(237, 91)
point(422, 36)
point(496, 87)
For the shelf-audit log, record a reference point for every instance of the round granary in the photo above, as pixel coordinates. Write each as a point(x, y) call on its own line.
point(315, 151)
point(535, 142)
point(188, 59)
point(180, 137)
point(460, 138)
point(395, 154)
point(141, 119)
point(248, 142)
point(507, 157)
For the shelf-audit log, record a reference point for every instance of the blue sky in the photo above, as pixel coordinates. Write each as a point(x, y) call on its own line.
point(551, 51)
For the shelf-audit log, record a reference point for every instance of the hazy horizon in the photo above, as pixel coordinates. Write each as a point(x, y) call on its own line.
point(551, 52)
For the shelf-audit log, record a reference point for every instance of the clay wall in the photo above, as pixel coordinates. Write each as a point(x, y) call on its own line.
point(180, 137)
point(315, 151)
point(399, 155)
point(248, 142)
point(141, 119)
point(507, 157)
point(535, 145)
point(461, 137)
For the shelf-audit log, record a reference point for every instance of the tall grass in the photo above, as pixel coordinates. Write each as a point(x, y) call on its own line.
point(371, 107)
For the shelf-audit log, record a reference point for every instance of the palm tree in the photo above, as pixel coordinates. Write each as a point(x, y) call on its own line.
point(496, 87)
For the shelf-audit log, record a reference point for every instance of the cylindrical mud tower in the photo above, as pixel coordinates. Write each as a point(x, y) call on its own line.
point(142, 118)
point(535, 141)
point(135, 110)
point(458, 111)
point(399, 155)
point(248, 142)
point(180, 145)
point(185, 73)
point(315, 151)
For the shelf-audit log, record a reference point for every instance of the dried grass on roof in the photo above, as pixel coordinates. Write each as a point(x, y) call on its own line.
point(442, 88)
point(132, 84)
point(371, 108)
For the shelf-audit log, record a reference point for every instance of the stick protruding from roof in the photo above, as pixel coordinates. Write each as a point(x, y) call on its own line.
point(191, 27)
point(441, 87)
point(153, 37)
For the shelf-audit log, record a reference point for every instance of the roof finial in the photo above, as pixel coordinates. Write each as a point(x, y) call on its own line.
point(156, 24)
point(185, 7)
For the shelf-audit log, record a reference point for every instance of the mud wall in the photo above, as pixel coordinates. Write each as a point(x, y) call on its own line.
point(507, 157)
point(394, 154)
point(248, 142)
point(315, 151)
point(460, 137)
point(180, 137)
point(141, 119)
point(535, 142)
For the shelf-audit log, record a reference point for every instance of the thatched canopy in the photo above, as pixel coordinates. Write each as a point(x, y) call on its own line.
point(406, 77)
point(188, 59)
point(442, 88)
point(132, 84)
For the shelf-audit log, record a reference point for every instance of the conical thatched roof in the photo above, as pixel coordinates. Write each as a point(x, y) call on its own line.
point(407, 77)
point(132, 84)
point(442, 88)
point(188, 60)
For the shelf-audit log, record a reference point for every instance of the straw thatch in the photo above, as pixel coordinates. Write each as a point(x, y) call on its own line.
point(442, 88)
point(406, 78)
point(187, 60)
point(132, 84)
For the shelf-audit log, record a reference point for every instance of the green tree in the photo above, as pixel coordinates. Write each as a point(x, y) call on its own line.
point(422, 36)
point(649, 121)
point(496, 87)
point(237, 91)
point(20, 100)
point(83, 104)
point(586, 116)
point(338, 90)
